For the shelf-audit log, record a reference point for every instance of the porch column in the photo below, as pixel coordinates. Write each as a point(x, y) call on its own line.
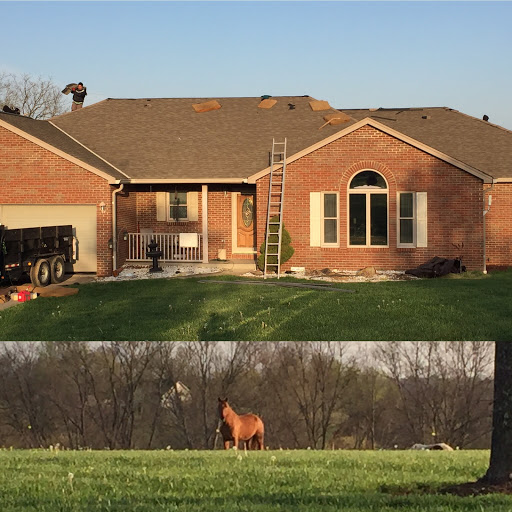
point(204, 205)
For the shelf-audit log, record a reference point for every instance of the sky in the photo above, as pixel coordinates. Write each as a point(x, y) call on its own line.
point(352, 54)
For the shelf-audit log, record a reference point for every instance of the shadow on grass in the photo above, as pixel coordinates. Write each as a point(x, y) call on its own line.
point(183, 309)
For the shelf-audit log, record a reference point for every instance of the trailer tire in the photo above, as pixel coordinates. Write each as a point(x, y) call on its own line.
point(40, 274)
point(57, 269)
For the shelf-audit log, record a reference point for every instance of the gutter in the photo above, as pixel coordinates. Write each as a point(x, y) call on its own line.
point(213, 181)
point(114, 225)
point(485, 212)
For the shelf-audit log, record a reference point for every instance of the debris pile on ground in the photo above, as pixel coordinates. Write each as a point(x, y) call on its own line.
point(130, 273)
point(435, 446)
point(437, 267)
point(346, 276)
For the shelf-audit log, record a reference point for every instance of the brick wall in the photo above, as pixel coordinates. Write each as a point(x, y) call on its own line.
point(454, 202)
point(31, 174)
point(499, 226)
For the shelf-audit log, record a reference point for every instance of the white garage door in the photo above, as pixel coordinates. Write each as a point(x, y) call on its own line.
point(81, 217)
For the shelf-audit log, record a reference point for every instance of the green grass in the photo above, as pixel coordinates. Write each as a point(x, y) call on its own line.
point(226, 481)
point(183, 309)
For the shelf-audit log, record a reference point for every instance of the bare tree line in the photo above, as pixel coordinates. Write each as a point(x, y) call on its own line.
point(321, 395)
point(36, 97)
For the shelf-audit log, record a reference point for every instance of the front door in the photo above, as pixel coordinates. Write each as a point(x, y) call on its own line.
point(245, 221)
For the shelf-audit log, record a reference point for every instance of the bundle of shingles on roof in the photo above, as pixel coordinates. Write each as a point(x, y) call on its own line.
point(267, 102)
point(11, 110)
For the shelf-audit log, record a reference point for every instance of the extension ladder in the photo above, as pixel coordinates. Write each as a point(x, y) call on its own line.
point(274, 230)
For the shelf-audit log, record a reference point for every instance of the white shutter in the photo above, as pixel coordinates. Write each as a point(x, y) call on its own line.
point(162, 203)
point(315, 220)
point(192, 206)
point(421, 219)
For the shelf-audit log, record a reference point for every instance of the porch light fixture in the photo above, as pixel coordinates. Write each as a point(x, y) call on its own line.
point(110, 243)
point(125, 235)
point(102, 206)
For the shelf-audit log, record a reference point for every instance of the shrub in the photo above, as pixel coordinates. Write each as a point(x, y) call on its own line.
point(286, 249)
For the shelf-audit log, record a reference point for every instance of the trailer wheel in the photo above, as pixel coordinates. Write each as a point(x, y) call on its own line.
point(40, 274)
point(57, 269)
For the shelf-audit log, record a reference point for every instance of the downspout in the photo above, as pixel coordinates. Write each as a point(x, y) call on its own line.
point(114, 225)
point(485, 211)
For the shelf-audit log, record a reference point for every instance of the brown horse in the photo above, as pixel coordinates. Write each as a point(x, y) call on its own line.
point(247, 427)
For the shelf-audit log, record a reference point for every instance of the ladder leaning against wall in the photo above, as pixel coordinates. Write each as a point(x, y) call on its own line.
point(273, 236)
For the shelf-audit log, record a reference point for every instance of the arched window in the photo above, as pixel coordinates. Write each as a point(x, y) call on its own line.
point(368, 210)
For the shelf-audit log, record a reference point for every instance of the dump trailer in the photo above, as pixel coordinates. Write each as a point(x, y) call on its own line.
point(40, 252)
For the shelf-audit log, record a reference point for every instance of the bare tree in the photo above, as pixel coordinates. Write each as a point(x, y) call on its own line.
point(313, 375)
point(36, 97)
point(67, 387)
point(168, 372)
point(20, 396)
point(204, 355)
point(444, 387)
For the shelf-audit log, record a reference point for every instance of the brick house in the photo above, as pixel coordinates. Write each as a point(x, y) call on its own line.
point(388, 187)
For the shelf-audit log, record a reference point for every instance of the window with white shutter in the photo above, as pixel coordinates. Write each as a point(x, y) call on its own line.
point(412, 219)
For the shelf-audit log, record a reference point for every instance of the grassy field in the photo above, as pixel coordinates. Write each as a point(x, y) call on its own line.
point(45, 481)
point(184, 309)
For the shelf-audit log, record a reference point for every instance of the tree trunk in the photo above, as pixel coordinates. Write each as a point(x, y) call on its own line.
point(500, 467)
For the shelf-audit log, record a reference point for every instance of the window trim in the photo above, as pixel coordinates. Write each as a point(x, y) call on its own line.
point(169, 205)
point(414, 220)
point(367, 192)
point(322, 220)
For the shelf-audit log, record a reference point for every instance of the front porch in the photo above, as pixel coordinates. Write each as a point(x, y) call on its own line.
point(190, 223)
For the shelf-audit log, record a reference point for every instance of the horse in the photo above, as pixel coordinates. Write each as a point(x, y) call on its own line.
point(246, 427)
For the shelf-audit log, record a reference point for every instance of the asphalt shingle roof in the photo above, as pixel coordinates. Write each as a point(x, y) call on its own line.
point(45, 132)
point(480, 144)
point(166, 139)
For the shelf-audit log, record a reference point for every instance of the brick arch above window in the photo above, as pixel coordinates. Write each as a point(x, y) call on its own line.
point(368, 165)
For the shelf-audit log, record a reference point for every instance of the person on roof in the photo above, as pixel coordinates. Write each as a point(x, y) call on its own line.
point(79, 94)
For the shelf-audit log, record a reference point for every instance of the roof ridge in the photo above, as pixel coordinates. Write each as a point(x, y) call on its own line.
point(397, 109)
point(64, 114)
point(143, 98)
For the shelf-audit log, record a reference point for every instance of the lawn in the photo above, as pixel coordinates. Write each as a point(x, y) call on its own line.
point(184, 309)
point(46, 481)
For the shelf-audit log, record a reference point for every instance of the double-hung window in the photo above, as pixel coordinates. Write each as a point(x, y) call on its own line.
point(178, 208)
point(406, 219)
point(324, 220)
point(412, 219)
point(330, 219)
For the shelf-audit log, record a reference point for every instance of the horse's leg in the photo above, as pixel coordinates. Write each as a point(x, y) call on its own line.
point(236, 440)
point(259, 438)
point(226, 445)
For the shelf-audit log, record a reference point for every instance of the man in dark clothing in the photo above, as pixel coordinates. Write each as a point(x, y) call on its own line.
point(79, 94)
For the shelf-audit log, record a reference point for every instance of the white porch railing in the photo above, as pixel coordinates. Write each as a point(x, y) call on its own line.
point(168, 243)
